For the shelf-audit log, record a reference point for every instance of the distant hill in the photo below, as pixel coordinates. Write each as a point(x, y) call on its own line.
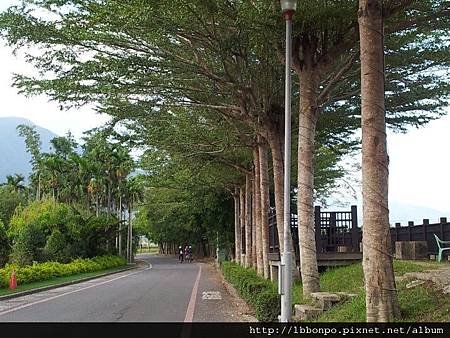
point(13, 154)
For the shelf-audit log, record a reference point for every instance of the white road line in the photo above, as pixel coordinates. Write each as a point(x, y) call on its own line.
point(191, 307)
point(70, 292)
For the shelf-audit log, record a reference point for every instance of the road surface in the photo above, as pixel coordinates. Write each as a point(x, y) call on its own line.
point(161, 290)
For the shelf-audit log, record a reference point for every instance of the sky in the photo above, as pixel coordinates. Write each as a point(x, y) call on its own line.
point(419, 160)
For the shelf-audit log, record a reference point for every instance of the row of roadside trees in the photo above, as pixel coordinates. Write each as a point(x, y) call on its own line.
point(199, 85)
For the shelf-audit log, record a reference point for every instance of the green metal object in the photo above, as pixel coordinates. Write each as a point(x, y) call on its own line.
point(441, 246)
point(222, 254)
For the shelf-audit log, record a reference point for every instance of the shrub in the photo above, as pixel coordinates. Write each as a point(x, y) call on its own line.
point(258, 292)
point(4, 245)
point(28, 245)
point(48, 270)
point(49, 230)
point(9, 201)
point(55, 248)
point(268, 305)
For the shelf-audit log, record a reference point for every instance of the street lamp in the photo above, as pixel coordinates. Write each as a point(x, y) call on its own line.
point(285, 284)
point(288, 6)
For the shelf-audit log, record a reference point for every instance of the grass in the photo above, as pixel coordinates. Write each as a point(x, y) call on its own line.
point(419, 304)
point(57, 281)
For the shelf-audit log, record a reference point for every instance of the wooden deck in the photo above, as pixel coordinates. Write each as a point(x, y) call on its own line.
point(338, 258)
point(329, 259)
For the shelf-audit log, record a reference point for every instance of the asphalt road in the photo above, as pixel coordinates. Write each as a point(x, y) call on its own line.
point(162, 290)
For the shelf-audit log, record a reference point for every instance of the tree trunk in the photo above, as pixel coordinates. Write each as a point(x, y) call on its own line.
point(130, 229)
point(276, 147)
point(237, 228)
point(257, 214)
point(129, 233)
point(381, 295)
point(264, 181)
point(97, 207)
point(242, 223)
point(109, 197)
point(39, 187)
point(248, 221)
point(120, 226)
point(253, 218)
point(309, 82)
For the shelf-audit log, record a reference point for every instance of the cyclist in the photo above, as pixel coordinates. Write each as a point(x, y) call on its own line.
point(180, 254)
point(186, 253)
point(190, 253)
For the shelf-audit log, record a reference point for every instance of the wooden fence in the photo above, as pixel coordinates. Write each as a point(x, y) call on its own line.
point(339, 229)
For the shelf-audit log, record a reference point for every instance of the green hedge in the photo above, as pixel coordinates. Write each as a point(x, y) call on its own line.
point(258, 292)
point(48, 270)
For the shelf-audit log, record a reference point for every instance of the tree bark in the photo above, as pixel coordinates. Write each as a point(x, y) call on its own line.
point(257, 213)
point(264, 195)
point(381, 295)
point(248, 221)
point(242, 223)
point(237, 228)
point(309, 82)
point(109, 196)
point(276, 147)
point(253, 215)
point(120, 225)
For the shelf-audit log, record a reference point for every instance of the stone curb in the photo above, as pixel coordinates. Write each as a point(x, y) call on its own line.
point(232, 291)
point(50, 287)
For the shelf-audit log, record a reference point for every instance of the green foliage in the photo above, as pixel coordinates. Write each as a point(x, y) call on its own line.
point(261, 294)
point(27, 244)
point(9, 201)
point(4, 245)
point(48, 270)
point(31, 226)
point(45, 215)
point(417, 304)
point(48, 230)
point(55, 246)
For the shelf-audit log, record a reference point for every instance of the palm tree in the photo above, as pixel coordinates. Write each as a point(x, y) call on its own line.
point(133, 194)
point(15, 182)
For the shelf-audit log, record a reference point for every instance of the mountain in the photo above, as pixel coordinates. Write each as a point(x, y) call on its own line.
point(13, 154)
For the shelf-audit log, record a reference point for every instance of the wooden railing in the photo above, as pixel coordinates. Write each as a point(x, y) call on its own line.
point(339, 229)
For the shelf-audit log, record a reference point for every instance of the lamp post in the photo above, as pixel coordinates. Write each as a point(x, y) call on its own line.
point(285, 285)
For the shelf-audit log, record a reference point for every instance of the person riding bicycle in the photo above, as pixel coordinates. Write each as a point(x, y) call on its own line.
point(188, 253)
point(180, 254)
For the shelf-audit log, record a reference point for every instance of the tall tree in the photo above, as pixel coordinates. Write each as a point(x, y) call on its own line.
point(33, 144)
point(381, 295)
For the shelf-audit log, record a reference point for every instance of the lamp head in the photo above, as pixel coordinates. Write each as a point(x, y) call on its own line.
point(288, 7)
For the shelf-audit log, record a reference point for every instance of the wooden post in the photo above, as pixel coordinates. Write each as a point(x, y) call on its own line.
point(397, 228)
point(425, 222)
point(410, 224)
point(333, 233)
point(318, 233)
point(441, 227)
point(355, 242)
